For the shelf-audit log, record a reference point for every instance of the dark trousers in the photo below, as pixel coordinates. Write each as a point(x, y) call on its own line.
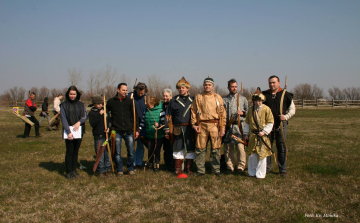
point(154, 152)
point(71, 156)
point(28, 127)
point(168, 155)
point(281, 150)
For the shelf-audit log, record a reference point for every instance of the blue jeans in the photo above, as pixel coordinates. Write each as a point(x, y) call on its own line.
point(139, 153)
point(129, 142)
point(104, 164)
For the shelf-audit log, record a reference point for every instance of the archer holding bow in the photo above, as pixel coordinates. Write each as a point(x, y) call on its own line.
point(283, 108)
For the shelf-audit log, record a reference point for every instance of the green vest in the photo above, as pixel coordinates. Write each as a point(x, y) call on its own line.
point(151, 116)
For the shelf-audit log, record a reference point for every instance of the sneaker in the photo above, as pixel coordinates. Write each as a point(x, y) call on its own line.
point(119, 174)
point(132, 173)
point(38, 136)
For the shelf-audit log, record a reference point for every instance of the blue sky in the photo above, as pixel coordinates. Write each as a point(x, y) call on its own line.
point(315, 41)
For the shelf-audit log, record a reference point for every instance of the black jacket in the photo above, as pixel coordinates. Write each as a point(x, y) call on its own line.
point(97, 123)
point(121, 114)
point(274, 104)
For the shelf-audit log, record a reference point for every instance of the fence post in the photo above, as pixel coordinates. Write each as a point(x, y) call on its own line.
point(317, 103)
point(302, 103)
point(333, 103)
point(346, 102)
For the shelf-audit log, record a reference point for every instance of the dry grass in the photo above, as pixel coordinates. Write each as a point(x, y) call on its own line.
point(323, 179)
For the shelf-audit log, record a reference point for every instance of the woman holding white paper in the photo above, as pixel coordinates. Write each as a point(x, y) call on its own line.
point(73, 116)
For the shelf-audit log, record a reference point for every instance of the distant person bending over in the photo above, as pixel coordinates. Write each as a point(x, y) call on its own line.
point(29, 112)
point(56, 110)
point(44, 111)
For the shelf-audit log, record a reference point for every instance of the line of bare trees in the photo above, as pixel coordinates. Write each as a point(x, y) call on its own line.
point(105, 82)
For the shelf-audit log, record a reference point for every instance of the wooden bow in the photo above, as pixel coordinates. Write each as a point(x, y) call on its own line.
point(281, 112)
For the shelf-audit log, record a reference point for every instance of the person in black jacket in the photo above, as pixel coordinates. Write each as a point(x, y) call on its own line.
point(73, 116)
point(121, 111)
point(96, 119)
point(44, 111)
point(273, 99)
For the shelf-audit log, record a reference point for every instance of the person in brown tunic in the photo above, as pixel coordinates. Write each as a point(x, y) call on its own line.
point(208, 118)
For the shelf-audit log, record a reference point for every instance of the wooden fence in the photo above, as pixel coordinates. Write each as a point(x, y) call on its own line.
point(321, 103)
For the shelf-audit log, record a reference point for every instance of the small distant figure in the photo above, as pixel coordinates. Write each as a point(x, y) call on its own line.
point(56, 111)
point(44, 111)
point(29, 110)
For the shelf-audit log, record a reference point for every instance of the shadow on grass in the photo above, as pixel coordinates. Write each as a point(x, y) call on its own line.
point(325, 170)
point(53, 167)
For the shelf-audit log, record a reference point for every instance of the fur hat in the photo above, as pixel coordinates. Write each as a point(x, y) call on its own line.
point(96, 99)
point(182, 82)
point(258, 95)
point(209, 79)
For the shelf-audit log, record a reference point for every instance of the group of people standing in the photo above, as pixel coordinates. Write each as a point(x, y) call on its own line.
point(182, 125)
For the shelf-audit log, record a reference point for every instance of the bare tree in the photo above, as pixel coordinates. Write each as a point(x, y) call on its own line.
point(307, 92)
point(222, 92)
point(44, 92)
point(336, 94)
point(352, 93)
point(109, 76)
point(126, 79)
point(16, 93)
point(75, 76)
point(36, 91)
point(156, 86)
point(91, 82)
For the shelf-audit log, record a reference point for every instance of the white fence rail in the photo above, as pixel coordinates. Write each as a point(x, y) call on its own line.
point(321, 103)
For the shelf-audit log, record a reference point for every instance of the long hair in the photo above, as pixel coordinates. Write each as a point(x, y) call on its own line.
point(73, 88)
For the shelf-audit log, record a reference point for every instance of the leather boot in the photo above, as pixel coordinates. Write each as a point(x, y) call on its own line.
point(189, 163)
point(156, 168)
point(178, 166)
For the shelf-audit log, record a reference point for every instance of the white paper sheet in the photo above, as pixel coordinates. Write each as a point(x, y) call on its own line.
point(76, 134)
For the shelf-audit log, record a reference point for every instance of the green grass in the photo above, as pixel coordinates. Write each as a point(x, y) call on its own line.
point(323, 167)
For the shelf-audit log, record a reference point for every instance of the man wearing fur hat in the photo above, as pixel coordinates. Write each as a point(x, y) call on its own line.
point(208, 118)
point(258, 124)
point(236, 106)
point(273, 99)
point(179, 110)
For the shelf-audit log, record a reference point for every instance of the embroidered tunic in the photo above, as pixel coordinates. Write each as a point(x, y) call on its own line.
point(265, 120)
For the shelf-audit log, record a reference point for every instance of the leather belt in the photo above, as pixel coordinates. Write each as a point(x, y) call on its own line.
point(183, 124)
point(210, 121)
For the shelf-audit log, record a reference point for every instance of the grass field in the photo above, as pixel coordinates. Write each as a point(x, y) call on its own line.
point(322, 185)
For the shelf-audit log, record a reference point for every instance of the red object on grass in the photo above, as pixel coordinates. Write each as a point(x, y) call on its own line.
point(182, 175)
